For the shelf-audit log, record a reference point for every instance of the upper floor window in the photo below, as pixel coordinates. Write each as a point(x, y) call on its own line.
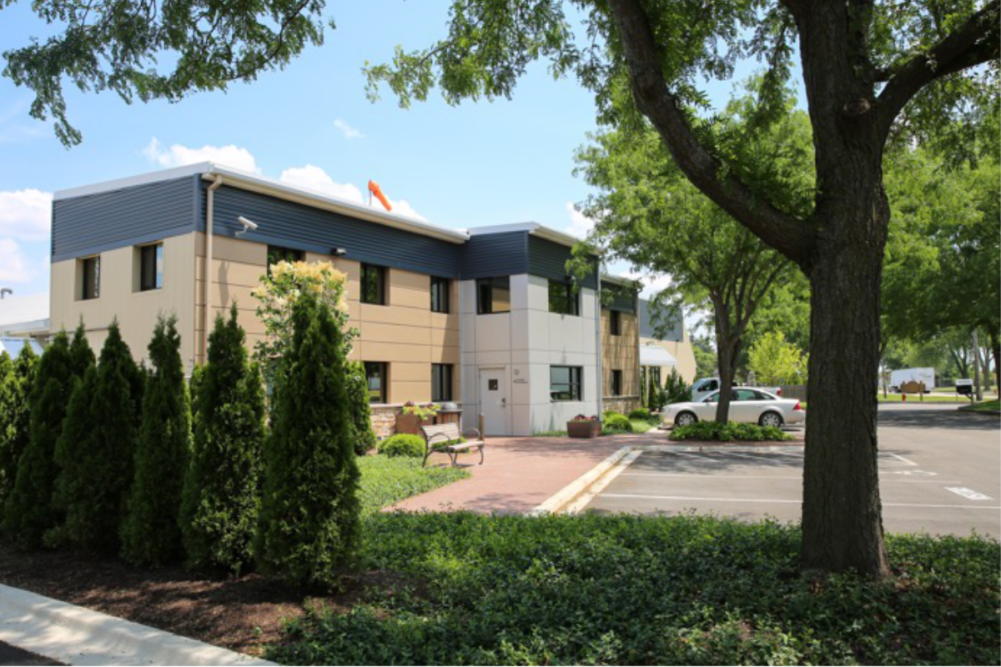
point(373, 284)
point(150, 267)
point(375, 375)
point(493, 295)
point(440, 293)
point(563, 298)
point(90, 278)
point(616, 383)
point(441, 382)
point(279, 254)
point(615, 323)
point(565, 383)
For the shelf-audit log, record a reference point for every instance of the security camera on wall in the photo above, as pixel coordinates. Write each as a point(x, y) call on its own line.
point(248, 225)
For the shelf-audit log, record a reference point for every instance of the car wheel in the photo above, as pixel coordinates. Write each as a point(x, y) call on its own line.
point(771, 419)
point(685, 419)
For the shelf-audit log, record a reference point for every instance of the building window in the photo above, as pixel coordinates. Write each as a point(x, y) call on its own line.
point(615, 323)
point(616, 383)
point(90, 278)
point(150, 267)
point(565, 383)
point(375, 374)
point(563, 298)
point(440, 292)
point(373, 284)
point(493, 295)
point(441, 382)
point(279, 254)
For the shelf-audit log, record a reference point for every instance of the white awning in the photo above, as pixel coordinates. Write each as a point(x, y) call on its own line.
point(654, 355)
point(25, 315)
point(12, 346)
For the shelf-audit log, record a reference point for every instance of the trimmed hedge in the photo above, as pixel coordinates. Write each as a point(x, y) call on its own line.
point(403, 444)
point(729, 432)
point(640, 413)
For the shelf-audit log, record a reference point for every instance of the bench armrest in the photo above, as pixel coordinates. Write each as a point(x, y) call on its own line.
point(470, 431)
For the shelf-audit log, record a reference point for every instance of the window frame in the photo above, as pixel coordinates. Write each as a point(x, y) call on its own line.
point(383, 368)
point(380, 284)
point(614, 323)
point(146, 285)
point(574, 384)
point(444, 381)
point(441, 295)
point(565, 295)
point(95, 283)
point(616, 382)
point(487, 307)
point(283, 253)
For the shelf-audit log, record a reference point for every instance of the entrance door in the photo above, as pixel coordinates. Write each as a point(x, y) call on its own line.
point(493, 401)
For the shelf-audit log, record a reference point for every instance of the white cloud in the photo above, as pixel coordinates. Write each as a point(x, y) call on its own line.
point(26, 214)
point(652, 283)
point(14, 266)
point(580, 224)
point(403, 207)
point(178, 156)
point(314, 178)
point(348, 131)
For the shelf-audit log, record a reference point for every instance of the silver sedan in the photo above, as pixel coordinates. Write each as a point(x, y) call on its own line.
point(747, 404)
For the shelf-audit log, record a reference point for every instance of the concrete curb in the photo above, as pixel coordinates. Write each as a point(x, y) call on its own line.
point(555, 503)
point(78, 636)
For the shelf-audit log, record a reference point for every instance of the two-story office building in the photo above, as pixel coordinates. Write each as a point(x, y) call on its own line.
point(485, 317)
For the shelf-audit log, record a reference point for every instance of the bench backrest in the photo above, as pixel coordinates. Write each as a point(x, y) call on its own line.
point(439, 433)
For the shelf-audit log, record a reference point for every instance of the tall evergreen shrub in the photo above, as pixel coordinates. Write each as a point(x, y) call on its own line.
point(82, 356)
point(96, 471)
point(310, 525)
point(151, 534)
point(28, 510)
point(220, 500)
point(16, 378)
point(363, 437)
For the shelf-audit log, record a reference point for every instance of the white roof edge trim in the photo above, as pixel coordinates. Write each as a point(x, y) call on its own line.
point(619, 280)
point(533, 228)
point(131, 181)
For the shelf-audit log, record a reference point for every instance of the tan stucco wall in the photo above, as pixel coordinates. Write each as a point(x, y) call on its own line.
point(119, 297)
point(620, 353)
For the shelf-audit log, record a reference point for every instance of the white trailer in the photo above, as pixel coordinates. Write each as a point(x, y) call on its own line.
point(904, 375)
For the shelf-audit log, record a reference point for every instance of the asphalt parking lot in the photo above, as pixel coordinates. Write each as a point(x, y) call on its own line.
point(940, 472)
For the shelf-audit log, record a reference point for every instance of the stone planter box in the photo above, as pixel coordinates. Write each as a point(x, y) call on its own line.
point(410, 424)
point(584, 429)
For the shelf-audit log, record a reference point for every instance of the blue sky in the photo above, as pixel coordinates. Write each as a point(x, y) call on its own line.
point(476, 164)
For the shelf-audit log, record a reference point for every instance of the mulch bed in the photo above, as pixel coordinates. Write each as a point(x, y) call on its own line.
point(242, 614)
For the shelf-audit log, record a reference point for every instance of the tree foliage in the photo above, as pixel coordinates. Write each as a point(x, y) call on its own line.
point(151, 534)
point(775, 361)
point(220, 500)
point(16, 379)
point(363, 436)
point(310, 526)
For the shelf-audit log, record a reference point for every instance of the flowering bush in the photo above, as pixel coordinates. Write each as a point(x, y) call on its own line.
point(426, 412)
point(585, 418)
point(278, 291)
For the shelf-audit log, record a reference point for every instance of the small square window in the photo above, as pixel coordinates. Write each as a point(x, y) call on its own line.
point(440, 292)
point(493, 295)
point(563, 298)
point(565, 383)
point(90, 278)
point(441, 382)
point(150, 267)
point(373, 284)
point(615, 323)
point(375, 375)
point(616, 383)
point(279, 254)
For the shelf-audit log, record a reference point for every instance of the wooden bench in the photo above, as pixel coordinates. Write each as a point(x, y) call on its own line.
point(447, 437)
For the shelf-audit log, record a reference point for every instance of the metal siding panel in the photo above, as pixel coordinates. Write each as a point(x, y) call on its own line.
point(624, 299)
point(95, 223)
point(502, 254)
point(649, 323)
point(301, 227)
point(548, 259)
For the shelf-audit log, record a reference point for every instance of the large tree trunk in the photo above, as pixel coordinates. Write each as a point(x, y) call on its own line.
point(727, 351)
point(995, 338)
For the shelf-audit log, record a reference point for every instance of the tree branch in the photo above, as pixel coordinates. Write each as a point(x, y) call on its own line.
point(971, 44)
point(789, 236)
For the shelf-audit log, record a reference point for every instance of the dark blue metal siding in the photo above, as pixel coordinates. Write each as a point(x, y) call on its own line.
point(94, 223)
point(501, 254)
point(301, 227)
point(549, 260)
point(663, 321)
point(617, 297)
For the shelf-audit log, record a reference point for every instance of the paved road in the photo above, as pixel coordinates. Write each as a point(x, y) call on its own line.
point(940, 472)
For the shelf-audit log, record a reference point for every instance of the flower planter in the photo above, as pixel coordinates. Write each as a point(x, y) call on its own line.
point(410, 424)
point(584, 429)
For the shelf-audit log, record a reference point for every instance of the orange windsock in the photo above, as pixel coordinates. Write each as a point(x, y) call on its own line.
point(374, 188)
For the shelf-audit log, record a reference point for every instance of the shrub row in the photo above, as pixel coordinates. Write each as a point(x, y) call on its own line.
point(729, 432)
point(615, 422)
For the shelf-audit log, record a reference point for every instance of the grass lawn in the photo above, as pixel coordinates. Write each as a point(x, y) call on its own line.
point(470, 589)
point(642, 425)
point(986, 406)
point(385, 480)
point(928, 398)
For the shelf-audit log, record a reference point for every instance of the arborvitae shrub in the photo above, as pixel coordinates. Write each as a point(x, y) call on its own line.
point(28, 511)
point(151, 534)
point(81, 355)
point(310, 527)
point(363, 437)
point(15, 386)
point(97, 471)
point(675, 390)
point(220, 500)
point(403, 444)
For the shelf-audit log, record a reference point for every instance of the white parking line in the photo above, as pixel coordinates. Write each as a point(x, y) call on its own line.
point(898, 456)
point(585, 498)
point(969, 494)
point(783, 501)
point(796, 478)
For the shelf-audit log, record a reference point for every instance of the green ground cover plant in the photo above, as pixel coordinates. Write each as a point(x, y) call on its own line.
point(402, 444)
point(385, 480)
point(729, 432)
point(472, 589)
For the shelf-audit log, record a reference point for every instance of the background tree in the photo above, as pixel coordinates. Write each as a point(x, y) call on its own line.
point(151, 534)
point(705, 357)
point(28, 511)
point(220, 500)
point(775, 362)
point(310, 526)
point(14, 417)
point(650, 215)
point(870, 70)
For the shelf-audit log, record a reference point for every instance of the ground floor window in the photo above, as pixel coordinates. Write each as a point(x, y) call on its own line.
point(279, 254)
point(441, 382)
point(375, 374)
point(565, 383)
point(616, 383)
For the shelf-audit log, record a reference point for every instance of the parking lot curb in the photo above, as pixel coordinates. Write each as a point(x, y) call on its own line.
point(558, 501)
point(78, 636)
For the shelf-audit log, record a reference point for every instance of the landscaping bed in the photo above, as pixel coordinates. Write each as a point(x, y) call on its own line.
point(714, 432)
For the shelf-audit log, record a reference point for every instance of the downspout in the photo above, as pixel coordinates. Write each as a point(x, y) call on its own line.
point(207, 268)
